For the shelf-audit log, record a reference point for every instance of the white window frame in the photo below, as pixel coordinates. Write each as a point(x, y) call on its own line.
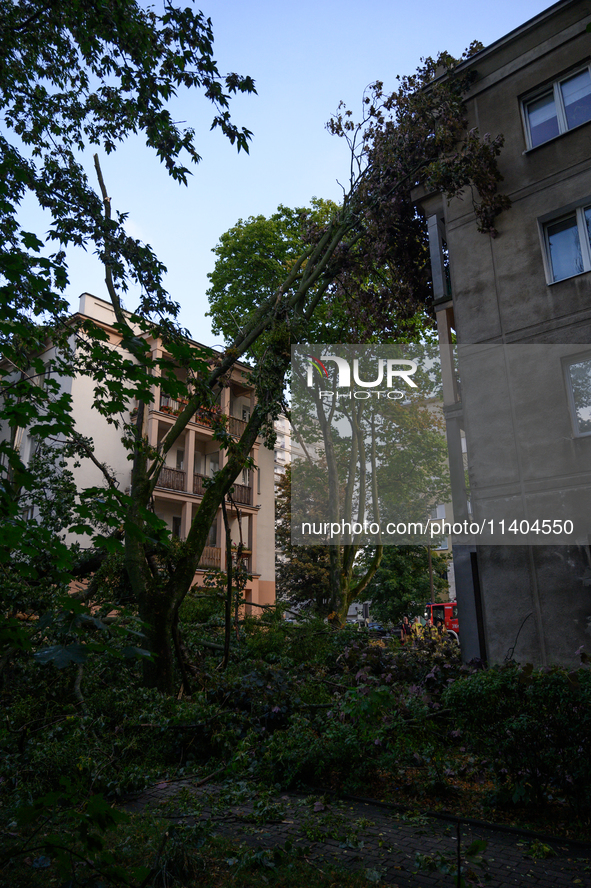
point(554, 88)
point(578, 210)
point(566, 365)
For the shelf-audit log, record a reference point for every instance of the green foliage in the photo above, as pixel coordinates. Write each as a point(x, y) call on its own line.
point(254, 257)
point(72, 77)
point(534, 725)
point(201, 607)
point(303, 754)
point(83, 821)
point(401, 584)
point(540, 851)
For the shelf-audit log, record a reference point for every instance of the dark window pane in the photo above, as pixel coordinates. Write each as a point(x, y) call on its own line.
point(543, 122)
point(580, 377)
point(565, 248)
point(576, 93)
point(212, 537)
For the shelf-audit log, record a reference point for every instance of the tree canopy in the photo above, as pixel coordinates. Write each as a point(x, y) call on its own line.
point(401, 584)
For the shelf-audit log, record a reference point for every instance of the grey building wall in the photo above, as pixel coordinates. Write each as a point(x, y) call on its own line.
point(535, 601)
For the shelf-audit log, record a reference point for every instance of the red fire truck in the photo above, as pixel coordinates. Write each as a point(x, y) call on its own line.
point(448, 612)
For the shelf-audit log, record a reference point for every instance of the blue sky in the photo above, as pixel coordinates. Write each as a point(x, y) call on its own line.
point(305, 57)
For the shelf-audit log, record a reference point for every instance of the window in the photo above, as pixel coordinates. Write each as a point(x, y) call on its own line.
point(213, 463)
point(176, 527)
point(438, 612)
point(564, 105)
point(212, 536)
point(568, 244)
point(578, 373)
point(180, 460)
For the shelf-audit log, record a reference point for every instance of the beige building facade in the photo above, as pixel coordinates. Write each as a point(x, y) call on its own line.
point(195, 457)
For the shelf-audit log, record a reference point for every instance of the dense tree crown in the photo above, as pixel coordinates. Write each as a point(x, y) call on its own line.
point(401, 585)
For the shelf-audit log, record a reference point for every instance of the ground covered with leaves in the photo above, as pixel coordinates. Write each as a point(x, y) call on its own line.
point(299, 707)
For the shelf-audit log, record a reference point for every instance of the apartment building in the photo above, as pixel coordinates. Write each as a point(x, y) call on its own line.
point(195, 457)
point(520, 307)
point(287, 447)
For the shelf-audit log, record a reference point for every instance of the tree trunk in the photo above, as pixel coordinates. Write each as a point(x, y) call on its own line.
point(157, 610)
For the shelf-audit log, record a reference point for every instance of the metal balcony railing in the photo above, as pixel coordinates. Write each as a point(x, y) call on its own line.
point(202, 417)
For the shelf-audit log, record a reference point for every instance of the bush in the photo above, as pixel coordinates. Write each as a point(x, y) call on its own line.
point(304, 754)
point(535, 725)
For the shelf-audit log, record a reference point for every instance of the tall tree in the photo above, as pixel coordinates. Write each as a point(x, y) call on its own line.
point(401, 585)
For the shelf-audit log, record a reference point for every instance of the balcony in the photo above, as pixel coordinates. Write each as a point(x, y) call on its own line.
point(172, 479)
point(170, 406)
point(198, 486)
point(175, 479)
point(202, 417)
point(210, 557)
point(242, 494)
point(236, 426)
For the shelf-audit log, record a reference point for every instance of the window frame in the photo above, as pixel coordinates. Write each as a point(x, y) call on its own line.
point(553, 87)
point(547, 221)
point(567, 363)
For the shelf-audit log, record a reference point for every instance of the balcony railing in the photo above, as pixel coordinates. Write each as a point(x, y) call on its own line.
point(236, 426)
point(202, 417)
point(172, 479)
point(242, 494)
point(211, 557)
point(198, 486)
point(175, 479)
point(169, 405)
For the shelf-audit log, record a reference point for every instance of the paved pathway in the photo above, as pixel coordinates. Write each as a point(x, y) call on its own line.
point(361, 836)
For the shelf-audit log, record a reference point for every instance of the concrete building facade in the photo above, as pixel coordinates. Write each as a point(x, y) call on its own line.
point(526, 422)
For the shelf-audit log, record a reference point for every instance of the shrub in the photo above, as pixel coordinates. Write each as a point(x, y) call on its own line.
point(304, 754)
point(535, 725)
